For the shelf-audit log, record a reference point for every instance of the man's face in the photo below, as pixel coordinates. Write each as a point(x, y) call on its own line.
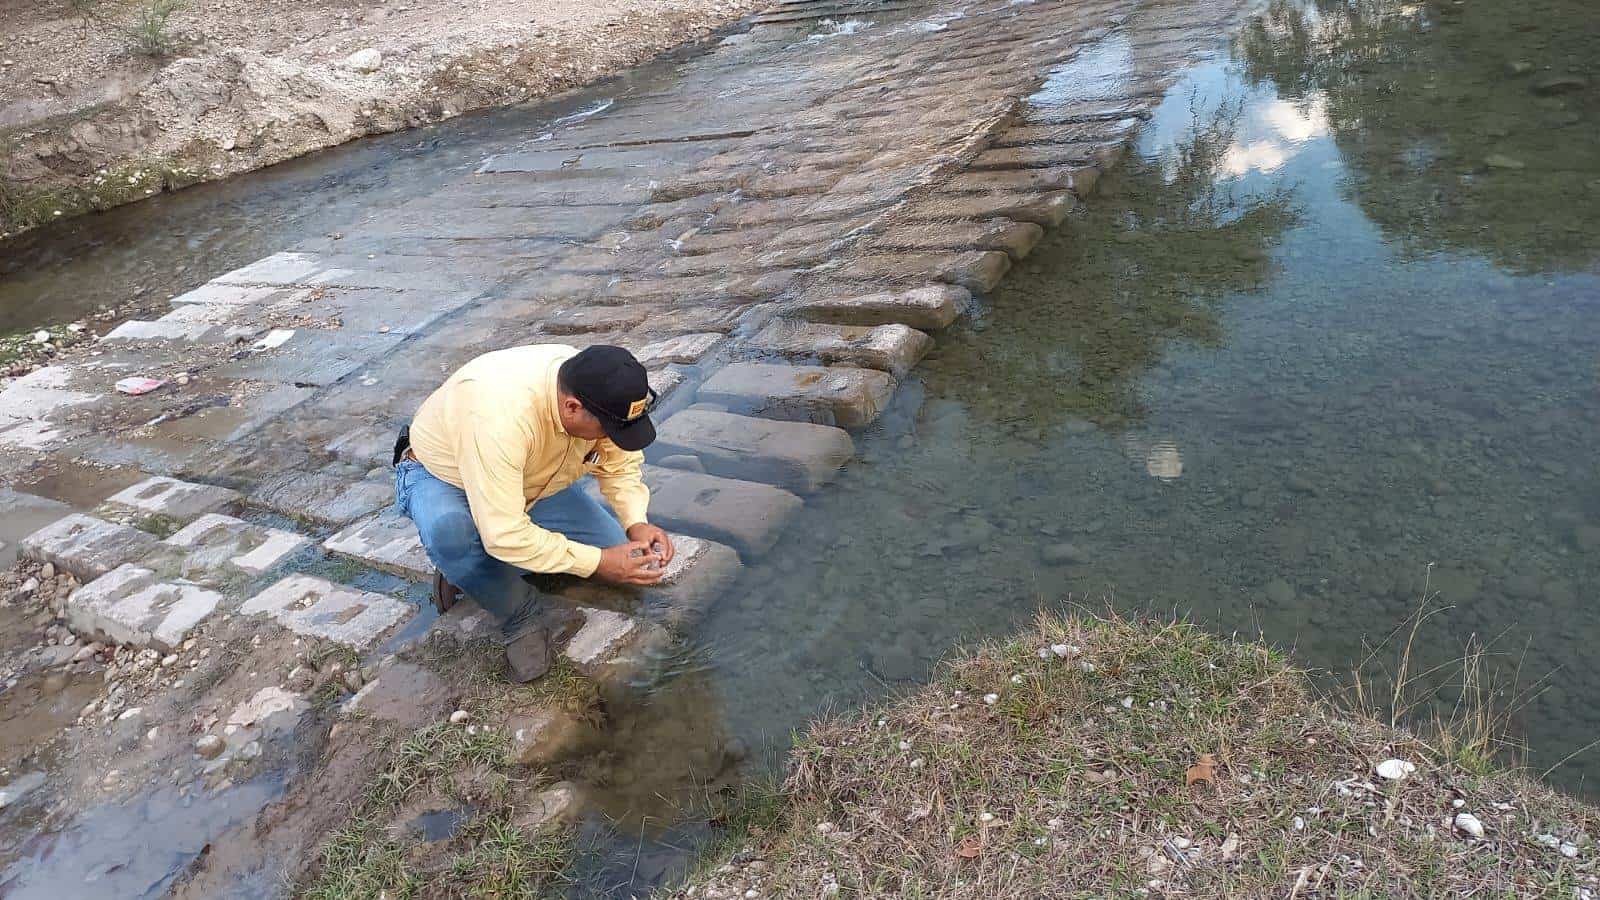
point(579, 422)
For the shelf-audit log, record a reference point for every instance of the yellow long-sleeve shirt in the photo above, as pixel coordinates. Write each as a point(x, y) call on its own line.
point(493, 430)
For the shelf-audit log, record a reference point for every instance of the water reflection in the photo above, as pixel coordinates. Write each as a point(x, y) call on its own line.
point(1466, 126)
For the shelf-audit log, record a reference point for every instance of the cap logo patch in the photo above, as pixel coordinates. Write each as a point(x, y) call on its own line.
point(637, 408)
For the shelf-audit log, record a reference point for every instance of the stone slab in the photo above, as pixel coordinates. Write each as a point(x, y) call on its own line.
point(929, 308)
point(1044, 210)
point(745, 515)
point(604, 636)
point(888, 348)
point(130, 606)
point(87, 547)
point(687, 349)
point(843, 396)
point(1015, 239)
point(280, 268)
point(216, 542)
point(979, 271)
point(179, 501)
point(216, 293)
point(319, 608)
point(323, 498)
point(387, 541)
point(796, 456)
point(38, 394)
point(174, 331)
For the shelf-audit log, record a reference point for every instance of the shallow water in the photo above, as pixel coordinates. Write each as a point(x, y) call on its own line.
point(1327, 345)
point(1317, 352)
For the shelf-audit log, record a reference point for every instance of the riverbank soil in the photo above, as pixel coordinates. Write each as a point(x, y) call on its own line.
point(107, 101)
point(1092, 758)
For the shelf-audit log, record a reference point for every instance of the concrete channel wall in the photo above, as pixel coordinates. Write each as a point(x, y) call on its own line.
point(777, 235)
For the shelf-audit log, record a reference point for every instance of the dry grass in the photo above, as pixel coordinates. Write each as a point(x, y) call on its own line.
point(1022, 772)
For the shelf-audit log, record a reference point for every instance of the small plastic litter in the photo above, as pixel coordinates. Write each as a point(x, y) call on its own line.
point(134, 387)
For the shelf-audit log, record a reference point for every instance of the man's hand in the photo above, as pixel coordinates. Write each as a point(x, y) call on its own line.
point(630, 563)
point(646, 533)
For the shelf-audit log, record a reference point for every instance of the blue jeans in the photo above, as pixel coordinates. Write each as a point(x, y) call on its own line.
point(444, 521)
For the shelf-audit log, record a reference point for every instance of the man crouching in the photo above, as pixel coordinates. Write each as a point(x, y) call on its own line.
point(490, 472)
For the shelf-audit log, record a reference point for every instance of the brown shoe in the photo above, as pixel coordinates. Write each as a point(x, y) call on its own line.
point(445, 594)
point(528, 655)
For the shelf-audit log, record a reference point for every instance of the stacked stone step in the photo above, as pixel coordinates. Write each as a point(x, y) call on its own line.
point(146, 591)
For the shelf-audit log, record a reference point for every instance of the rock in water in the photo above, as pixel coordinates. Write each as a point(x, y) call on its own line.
point(1063, 555)
point(209, 746)
point(1559, 84)
point(367, 60)
point(1280, 592)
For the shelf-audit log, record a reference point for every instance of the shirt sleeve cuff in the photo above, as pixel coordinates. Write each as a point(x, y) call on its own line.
point(585, 559)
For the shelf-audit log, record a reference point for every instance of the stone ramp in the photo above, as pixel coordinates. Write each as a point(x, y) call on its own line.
point(783, 255)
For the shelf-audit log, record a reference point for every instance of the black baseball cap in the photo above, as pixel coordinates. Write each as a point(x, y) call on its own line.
point(612, 385)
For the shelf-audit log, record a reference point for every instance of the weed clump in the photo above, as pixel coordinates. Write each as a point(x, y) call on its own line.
point(1104, 757)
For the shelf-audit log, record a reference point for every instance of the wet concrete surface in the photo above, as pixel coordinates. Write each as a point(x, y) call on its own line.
point(802, 170)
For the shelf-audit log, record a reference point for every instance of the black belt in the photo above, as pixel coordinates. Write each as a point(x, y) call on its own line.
point(402, 445)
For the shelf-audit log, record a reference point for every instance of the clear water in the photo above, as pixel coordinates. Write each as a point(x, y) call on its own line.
point(1330, 340)
point(1306, 356)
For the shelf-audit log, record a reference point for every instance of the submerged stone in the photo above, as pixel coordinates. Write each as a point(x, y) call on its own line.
point(387, 541)
point(929, 308)
point(743, 514)
point(798, 456)
point(843, 396)
point(890, 348)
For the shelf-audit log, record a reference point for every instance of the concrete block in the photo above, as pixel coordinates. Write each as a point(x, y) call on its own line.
point(603, 637)
point(387, 541)
point(215, 293)
point(279, 268)
point(87, 547)
point(172, 331)
point(687, 349)
point(128, 605)
point(318, 608)
point(888, 348)
point(701, 571)
point(179, 501)
point(583, 320)
point(847, 397)
point(979, 271)
point(746, 515)
point(929, 308)
point(324, 498)
point(1045, 210)
point(38, 394)
point(1015, 239)
point(215, 542)
point(796, 456)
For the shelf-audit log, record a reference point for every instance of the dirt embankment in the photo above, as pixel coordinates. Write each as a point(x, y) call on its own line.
point(104, 101)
